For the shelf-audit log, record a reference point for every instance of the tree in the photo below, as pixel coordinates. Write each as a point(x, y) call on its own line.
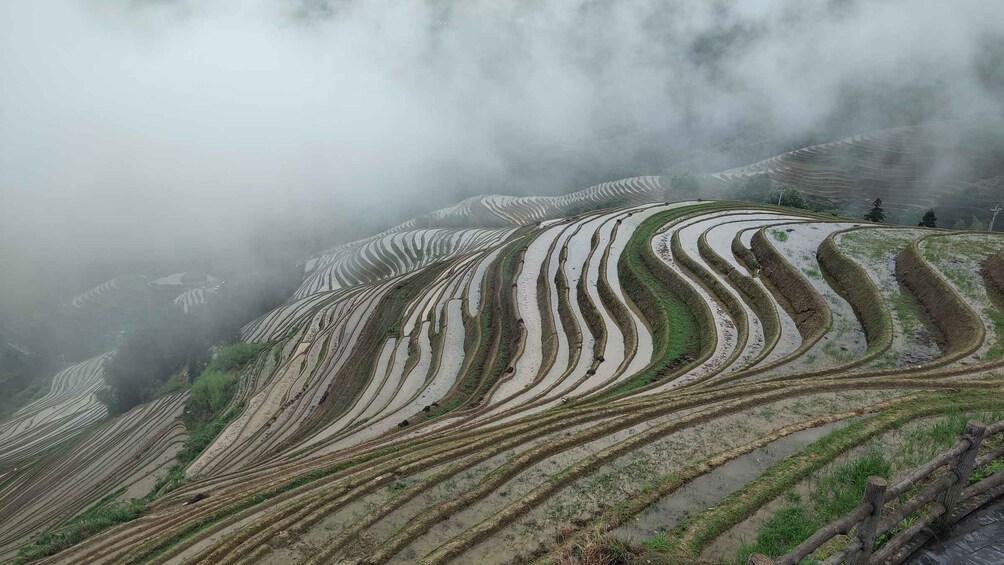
point(929, 220)
point(757, 188)
point(876, 214)
point(683, 185)
point(791, 197)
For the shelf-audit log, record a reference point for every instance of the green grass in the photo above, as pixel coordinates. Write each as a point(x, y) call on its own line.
point(675, 330)
point(996, 350)
point(210, 394)
point(779, 235)
point(105, 514)
point(235, 357)
point(837, 493)
point(659, 542)
point(206, 413)
point(700, 529)
point(785, 529)
point(839, 490)
point(924, 442)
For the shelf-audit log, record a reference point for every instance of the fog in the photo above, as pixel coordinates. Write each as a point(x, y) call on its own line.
point(162, 129)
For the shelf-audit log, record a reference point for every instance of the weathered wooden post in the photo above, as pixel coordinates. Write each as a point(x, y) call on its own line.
point(962, 468)
point(865, 534)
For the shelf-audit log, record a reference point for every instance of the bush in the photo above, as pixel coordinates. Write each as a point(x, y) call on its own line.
point(792, 197)
point(930, 220)
point(234, 357)
point(210, 394)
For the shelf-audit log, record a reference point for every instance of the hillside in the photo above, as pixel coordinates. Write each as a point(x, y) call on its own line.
point(538, 378)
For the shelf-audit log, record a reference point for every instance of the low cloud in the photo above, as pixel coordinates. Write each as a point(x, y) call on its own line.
point(161, 128)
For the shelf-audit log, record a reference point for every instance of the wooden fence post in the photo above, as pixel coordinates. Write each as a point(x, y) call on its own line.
point(962, 468)
point(865, 533)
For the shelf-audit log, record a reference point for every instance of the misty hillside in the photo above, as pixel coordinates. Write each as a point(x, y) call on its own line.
point(318, 281)
point(500, 387)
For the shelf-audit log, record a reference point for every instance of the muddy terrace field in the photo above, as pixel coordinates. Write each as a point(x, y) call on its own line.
point(583, 375)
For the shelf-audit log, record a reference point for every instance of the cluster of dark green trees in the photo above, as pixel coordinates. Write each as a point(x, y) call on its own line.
point(877, 215)
point(761, 189)
point(167, 344)
point(684, 185)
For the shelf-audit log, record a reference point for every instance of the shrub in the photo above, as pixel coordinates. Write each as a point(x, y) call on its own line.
point(930, 220)
point(234, 357)
point(210, 394)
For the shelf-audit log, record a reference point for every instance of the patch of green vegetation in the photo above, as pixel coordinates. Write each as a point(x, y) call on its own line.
point(675, 330)
point(832, 349)
point(907, 311)
point(836, 493)
point(779, 235)
point(660, 542)
point(699, 529)
point(210, 394)
point(992, 468)
point(176, 383)
point(997, 319)
point(206, 413)
point(100, 517)
point(445, 407)
point(925, 441)
point(839, 490)
point(235, 357)
point(486, 369)
point(785, 529)
point(956, 257)
point(396, 488)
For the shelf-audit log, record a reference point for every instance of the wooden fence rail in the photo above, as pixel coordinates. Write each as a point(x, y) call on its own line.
point(939, 501)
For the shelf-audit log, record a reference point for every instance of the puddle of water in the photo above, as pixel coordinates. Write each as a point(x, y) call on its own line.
point(708, 489)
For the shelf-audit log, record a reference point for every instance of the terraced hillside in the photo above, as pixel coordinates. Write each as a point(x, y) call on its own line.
point(907, 167)
point(574, 371)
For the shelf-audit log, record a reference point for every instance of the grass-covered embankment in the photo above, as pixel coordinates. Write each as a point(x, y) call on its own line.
point(681, 323)
point(695, 533)
point(209, 407)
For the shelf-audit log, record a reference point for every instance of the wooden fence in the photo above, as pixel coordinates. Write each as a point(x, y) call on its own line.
point(941, 502)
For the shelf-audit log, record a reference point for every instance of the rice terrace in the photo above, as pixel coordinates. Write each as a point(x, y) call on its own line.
point(769, 352)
